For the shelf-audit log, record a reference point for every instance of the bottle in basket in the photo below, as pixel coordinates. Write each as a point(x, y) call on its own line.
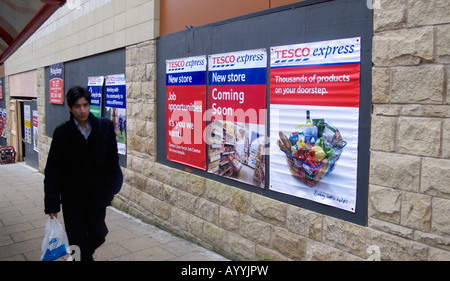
point(309, 130)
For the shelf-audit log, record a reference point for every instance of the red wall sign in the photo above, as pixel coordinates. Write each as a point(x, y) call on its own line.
point(185, 106)
point(56, 84)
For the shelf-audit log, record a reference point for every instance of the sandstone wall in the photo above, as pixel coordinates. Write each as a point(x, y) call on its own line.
point(409, 191)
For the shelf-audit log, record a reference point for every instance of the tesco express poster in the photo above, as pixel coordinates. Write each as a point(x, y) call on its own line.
point(236, 109)
point(185, 106)
point(322, 79)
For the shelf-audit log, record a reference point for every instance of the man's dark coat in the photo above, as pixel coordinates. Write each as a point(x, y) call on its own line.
point(80, 173)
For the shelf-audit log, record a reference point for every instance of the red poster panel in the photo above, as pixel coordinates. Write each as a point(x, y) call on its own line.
point(56, 84)
point(236, 108)
point(185, 107)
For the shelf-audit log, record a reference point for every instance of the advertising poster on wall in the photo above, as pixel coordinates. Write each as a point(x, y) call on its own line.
point(95, 87)
point(27, 123)
point(1, 89)
point(185, 106)
point(236, 136)
point(56, 84)
point(314, 103)
point(35, 131)
point(5, 126)
point(115, 103)
point(1, 122)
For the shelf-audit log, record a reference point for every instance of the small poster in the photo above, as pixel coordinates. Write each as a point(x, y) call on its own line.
point(95, 87)
point(1, 89)
point(185, 106)
point(236, 108)
point(3, 118)
point(1, 122)
point(314, 122)
point(56, 84)
point(27, 123)
point(35, 131)
point(115, 103)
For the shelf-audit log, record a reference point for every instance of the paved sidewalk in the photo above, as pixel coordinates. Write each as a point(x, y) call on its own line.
point(22, 222)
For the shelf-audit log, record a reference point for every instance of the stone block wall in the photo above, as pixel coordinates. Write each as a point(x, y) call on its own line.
point(409, 185)
point(409, 190)
point(44, 141)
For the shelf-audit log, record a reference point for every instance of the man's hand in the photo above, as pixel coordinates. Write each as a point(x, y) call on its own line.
point(53, 215)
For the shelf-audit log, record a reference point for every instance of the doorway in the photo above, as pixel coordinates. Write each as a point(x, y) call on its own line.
point(15, 114)
point(23, 114)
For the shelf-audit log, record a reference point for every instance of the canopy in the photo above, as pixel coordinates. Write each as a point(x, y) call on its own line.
point(19, 19)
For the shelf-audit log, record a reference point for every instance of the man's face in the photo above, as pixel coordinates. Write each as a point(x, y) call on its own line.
point(80, 110)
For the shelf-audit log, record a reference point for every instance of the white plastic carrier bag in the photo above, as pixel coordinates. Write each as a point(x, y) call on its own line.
point(55, 243)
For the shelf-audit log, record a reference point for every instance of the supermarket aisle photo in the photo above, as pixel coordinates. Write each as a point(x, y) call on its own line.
point(236, 150)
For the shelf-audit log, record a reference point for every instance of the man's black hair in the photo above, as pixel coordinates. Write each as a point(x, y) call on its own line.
point(76, 92)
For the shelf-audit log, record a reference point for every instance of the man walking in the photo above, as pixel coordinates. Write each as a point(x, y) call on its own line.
point(80, 174)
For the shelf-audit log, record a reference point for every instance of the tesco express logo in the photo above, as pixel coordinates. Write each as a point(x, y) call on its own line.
point(181, 64)
point(291, 53)
point(224, 59)
point(297, 53)
point(240, 59)
point(177, 64)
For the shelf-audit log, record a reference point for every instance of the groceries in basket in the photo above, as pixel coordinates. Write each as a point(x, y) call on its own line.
point(313, 150)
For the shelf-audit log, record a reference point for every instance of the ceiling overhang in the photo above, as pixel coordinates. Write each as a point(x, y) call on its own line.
point(19, 19)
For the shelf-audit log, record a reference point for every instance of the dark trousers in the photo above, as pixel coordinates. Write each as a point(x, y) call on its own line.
point(86, 229)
